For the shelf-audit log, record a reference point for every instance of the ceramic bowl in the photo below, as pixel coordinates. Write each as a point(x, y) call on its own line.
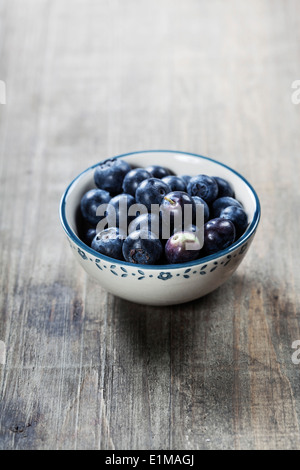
point(162, 284)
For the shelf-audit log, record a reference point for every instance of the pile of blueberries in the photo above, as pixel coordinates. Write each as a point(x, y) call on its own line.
point(119, 186)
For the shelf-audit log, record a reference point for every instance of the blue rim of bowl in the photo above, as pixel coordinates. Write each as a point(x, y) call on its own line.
point(249, 232)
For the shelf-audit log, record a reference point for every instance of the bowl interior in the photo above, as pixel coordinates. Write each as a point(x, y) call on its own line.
point(179, 164)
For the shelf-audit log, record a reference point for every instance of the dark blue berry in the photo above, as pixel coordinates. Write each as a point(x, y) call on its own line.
point(175, 183)
point(90, 203)
point(186, 179)
point(109, 175)
point(238, 216)
point(142, 247)
point(109, 242)
point(218, 235)
point(133, 179)
point(158, 171)
point(203, 186)
point(221, 203)
point(224, 187)
point(151, 191)
point(117, 211)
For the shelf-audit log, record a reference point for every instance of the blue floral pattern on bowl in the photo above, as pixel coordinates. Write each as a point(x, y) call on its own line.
point(140, 274)
point(164, 276)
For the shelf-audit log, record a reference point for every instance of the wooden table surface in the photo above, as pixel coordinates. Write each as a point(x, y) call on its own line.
point(88, 79)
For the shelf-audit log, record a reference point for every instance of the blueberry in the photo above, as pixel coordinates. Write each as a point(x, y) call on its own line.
point(224, 187)
point(149, 222)
point(90, 203)
point(158, 171)
point(199, 201)
point(109, 175)
point(175, 183)
point(191, 228)
point(117, 211)
point(218, 235)
point(133, 179)
point(142, 247)
point(151, 191)
point(203, 186)
point(186, 179)
point(223, 202)
point(238, 217)
point(109, 242)
point(177, 209)
point(182, 247)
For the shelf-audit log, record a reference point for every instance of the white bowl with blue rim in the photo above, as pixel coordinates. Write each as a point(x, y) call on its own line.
point(162, 284)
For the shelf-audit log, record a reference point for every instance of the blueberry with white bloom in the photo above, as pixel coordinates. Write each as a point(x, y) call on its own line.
point(109, 175)
point(142, 247)
point(109, 242)
point(158, 171)
point(175, 183)
point(133, 179)
point(203, 186)
point(117, 211)
point(151, 191)
point(90, 202)
point(223, 202)
point(225, 189)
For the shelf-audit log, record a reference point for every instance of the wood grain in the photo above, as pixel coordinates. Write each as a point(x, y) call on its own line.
point(88, 79)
